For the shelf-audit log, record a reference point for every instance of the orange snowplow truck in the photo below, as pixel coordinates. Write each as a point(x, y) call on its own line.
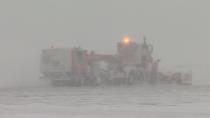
point(133, 63)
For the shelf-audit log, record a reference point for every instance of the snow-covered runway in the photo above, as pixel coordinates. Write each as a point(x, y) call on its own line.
point(106, 102)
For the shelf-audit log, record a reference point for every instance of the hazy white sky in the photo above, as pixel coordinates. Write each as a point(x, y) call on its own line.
point(179, 29)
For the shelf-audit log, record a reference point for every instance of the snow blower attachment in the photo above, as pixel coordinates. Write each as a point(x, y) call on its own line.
point(132, 64)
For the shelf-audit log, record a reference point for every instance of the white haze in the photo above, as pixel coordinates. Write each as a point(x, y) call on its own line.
point(179, 30)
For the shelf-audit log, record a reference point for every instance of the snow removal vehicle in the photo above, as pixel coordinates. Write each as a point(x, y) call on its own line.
point(132, 64)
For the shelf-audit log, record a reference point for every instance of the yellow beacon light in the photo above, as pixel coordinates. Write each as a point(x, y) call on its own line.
point(126, 40)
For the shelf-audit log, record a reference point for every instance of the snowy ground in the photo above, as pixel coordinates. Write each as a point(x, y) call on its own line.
point(106, 102)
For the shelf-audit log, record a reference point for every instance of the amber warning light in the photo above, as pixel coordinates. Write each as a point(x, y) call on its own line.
point(126, 40)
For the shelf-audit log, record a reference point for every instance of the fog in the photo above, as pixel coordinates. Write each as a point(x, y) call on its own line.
point(178, 29)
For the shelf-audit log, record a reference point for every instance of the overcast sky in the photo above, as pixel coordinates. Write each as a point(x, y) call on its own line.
point(178, 29)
